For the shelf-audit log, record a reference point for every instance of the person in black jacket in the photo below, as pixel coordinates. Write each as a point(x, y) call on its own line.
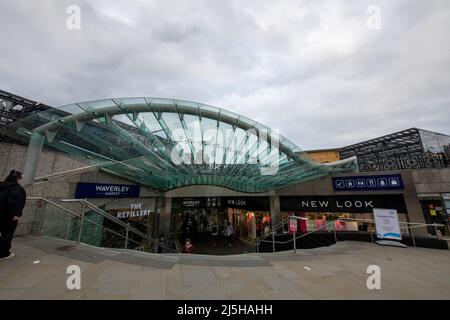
point(12, 202)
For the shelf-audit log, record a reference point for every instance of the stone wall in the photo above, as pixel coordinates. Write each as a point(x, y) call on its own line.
point(432, 180)
point(13, 156)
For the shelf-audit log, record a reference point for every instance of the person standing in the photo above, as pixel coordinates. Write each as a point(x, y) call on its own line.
point(229, 232)
point(12, 202)
point(188, 247)
point(214, 233)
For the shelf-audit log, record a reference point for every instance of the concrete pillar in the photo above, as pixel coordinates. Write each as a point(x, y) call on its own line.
point(32, 158)
point(275, 213)
point(165, 216)
point(412, 203)
point(415, 214)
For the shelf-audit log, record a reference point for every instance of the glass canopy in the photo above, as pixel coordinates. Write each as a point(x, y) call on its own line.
point(167, 143)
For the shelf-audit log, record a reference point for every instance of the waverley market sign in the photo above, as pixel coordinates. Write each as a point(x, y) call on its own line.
point(101, 190)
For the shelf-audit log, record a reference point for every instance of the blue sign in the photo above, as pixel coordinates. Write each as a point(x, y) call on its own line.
point(368, 183)
point(103, 190)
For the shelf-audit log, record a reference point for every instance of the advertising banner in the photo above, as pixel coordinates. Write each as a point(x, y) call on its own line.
point(292, 225)
point(311, 226)
point(352, 226)
point(386, 222)
point(320, 225)
point(303, 223)
point(341, 225)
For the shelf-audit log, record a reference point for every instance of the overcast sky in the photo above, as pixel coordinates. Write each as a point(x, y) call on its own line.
point(318, 71)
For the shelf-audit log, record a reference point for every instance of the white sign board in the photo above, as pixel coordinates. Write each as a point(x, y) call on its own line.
point(386, 222)
point(292, 225)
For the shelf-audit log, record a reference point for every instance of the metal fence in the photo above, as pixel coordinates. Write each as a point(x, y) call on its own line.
point(404, 162)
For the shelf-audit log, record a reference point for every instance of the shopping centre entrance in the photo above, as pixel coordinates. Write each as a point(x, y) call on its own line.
point(197, 218)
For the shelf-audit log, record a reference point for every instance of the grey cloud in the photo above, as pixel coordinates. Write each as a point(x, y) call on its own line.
point(175, 32)
point(312, 69)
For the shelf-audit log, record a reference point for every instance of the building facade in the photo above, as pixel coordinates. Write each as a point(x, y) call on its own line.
point(166, 167)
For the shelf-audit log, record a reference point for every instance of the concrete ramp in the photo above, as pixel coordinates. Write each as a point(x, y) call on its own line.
point(38, 271)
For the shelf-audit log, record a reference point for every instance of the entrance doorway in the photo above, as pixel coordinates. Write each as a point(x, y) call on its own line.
point(196, 218)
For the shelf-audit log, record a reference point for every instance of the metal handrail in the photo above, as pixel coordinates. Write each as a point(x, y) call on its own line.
point(119, 222)
point(54, 204)
point(76, 215)
point(400, 222)
point(107, 229)
point(275, 227)
point(108, 216)
point(104, 214)
point(415, 225)
point(302, 235)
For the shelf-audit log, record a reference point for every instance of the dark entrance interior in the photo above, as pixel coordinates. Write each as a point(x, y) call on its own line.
point(195, 219)
point(197, 226)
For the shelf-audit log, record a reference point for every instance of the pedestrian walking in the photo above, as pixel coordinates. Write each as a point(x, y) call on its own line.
point(12, 202)
point(214, 234)
point(229, 232)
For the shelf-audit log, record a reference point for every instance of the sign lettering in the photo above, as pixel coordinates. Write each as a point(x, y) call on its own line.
point(102, 190)
point(340, 203)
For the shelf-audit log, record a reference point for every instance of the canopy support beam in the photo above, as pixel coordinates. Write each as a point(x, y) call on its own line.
point(32, 159)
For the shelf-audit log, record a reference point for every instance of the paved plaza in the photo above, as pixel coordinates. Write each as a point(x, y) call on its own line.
point(38, 271)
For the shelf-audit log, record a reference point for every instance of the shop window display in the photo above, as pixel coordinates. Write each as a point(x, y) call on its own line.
point(320, 222)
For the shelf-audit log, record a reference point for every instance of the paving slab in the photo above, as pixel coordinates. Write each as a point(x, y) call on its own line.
point(38, 271)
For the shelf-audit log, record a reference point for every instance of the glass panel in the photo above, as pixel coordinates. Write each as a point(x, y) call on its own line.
point(126, 148)
point(152, 124)
point(56, 223)
point(209, 130)
point(236, 145)
point(160, 101)
point(193, 127)
point(224, 137)
point(247, 121)
point(71, 108)
point(204, 109)
point(229, 114)
point(172, 121)
point(194, 134)
point(186, 103)
point(94, 105)
point(131, 102)
point(124, 119)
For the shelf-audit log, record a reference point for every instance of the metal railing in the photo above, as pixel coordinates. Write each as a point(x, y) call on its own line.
point(407, 226)
point(439, 160)
point(272, 233)
point(83, 219)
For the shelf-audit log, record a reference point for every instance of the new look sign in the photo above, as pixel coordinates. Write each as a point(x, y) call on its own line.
point(340, 203)
point(102, 190)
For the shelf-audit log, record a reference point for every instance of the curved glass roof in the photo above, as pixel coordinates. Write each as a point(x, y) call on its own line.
point(167, 143)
